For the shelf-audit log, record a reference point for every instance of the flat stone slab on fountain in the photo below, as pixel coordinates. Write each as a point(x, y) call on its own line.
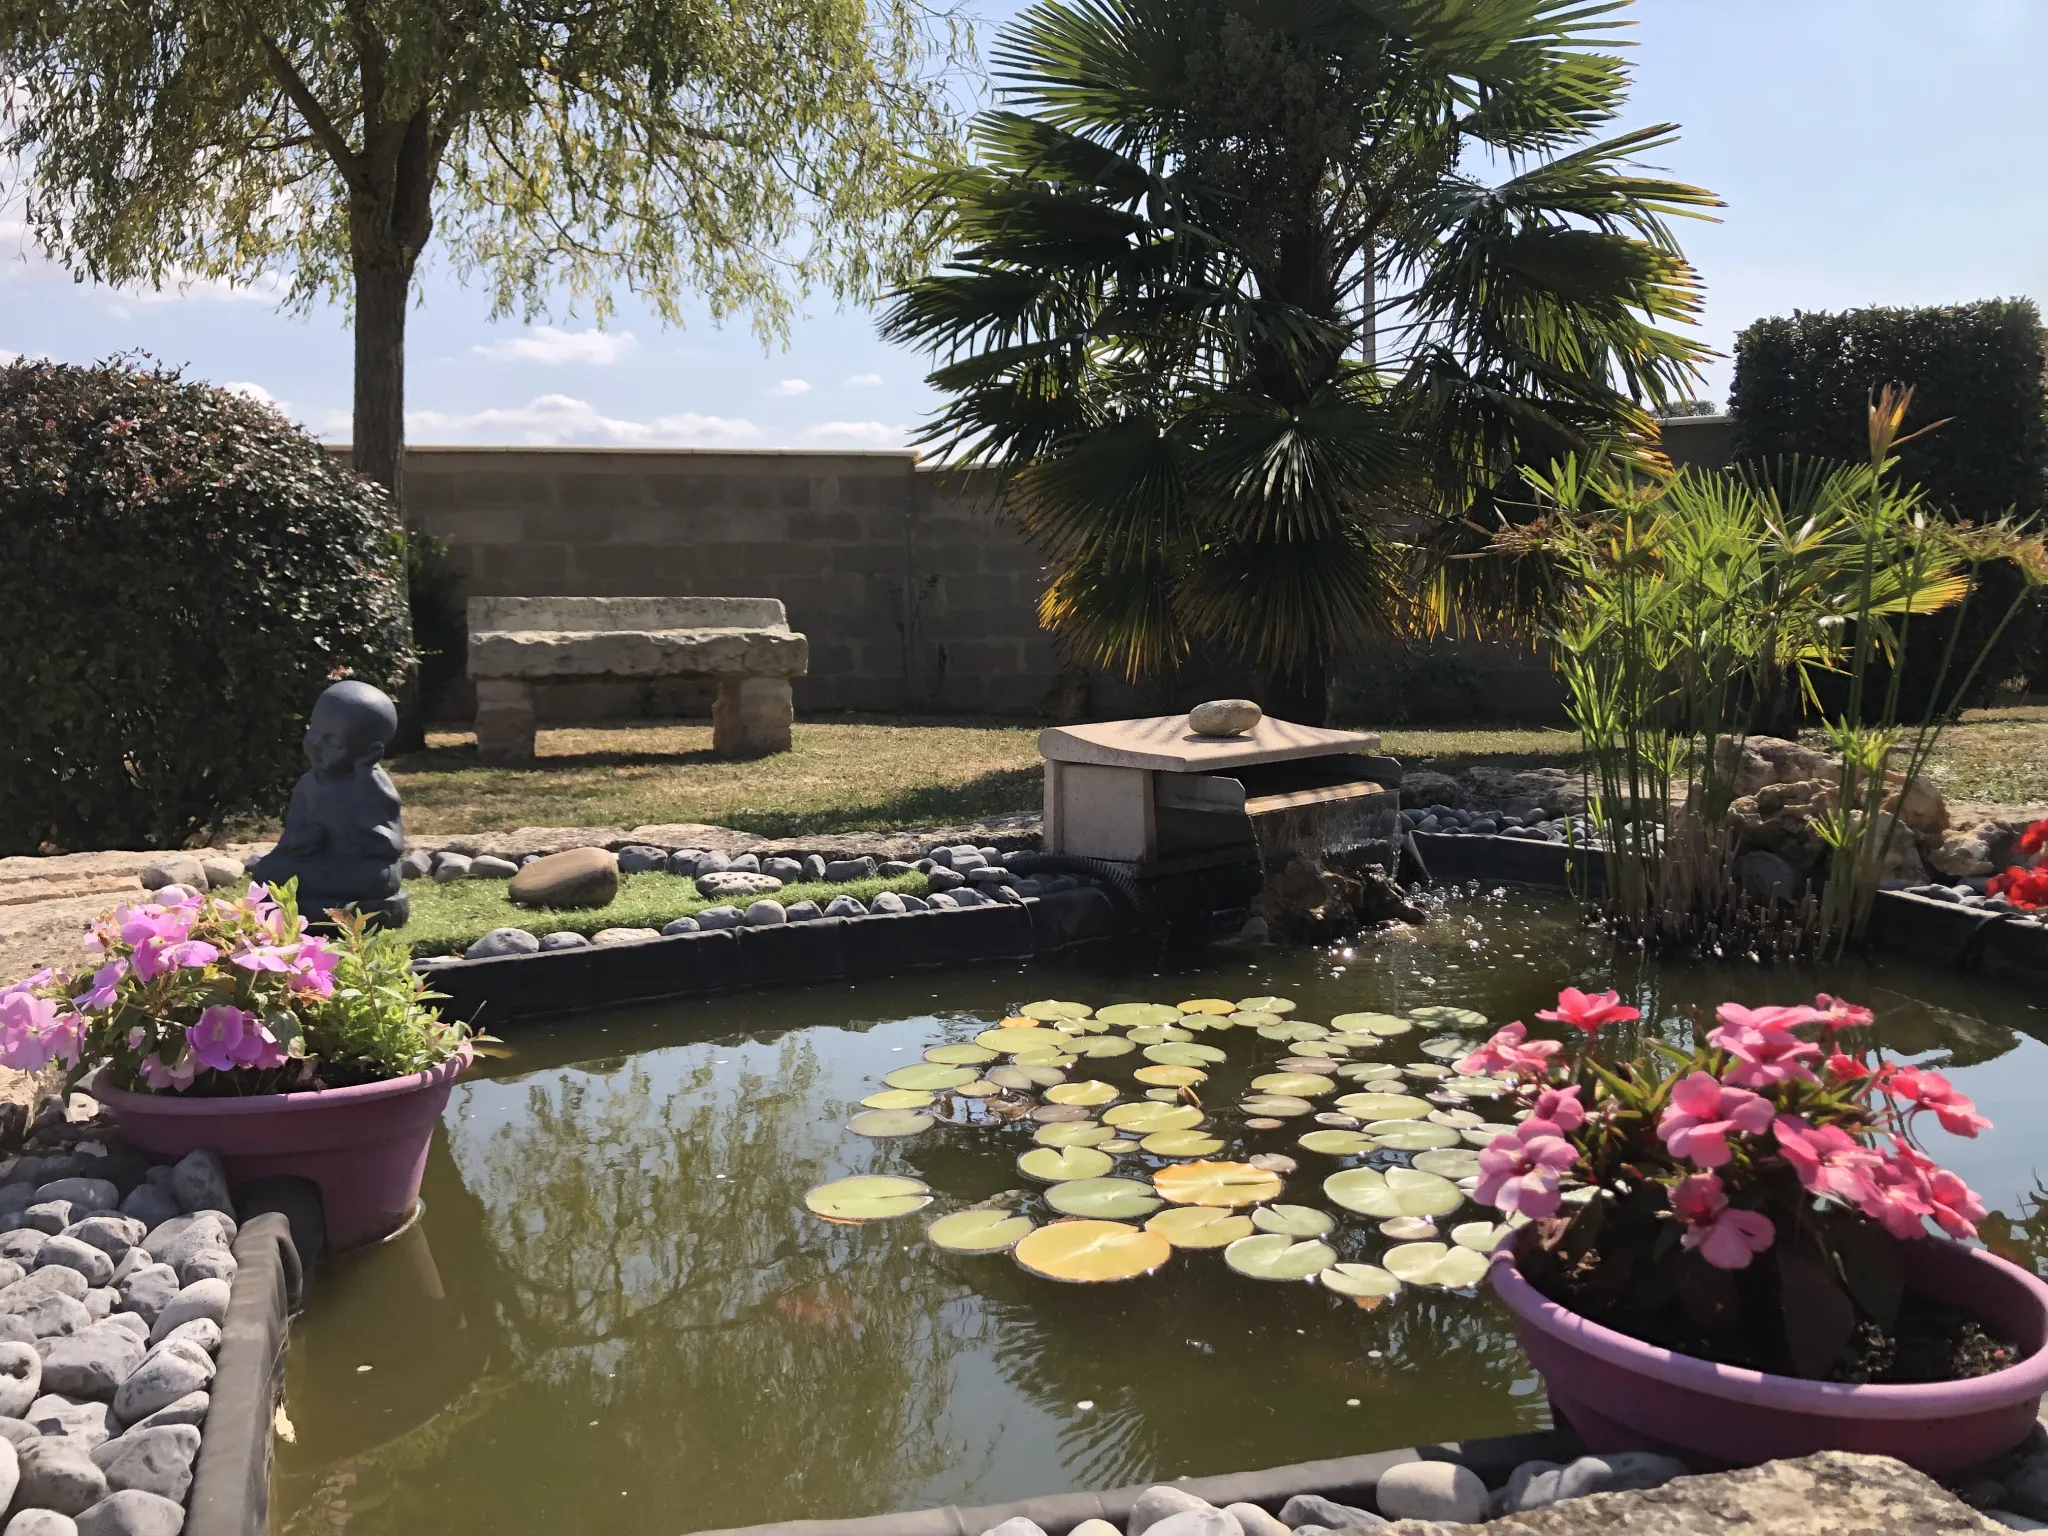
point(1168, 744)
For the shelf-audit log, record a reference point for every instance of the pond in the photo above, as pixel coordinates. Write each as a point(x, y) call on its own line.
point(617, 1307)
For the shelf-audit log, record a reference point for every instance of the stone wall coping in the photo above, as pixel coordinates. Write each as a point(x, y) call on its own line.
point(1166, 743)
point(585, 615)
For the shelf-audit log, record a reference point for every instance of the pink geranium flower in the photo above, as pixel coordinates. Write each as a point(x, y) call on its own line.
point(1843, 1068)
point(1828, 1160)
point(1508, 1054)
point(1520, 1171)
point(1842, 1015)
point(1957, 1209)
point(1786, 1016)
point(1558, 1110)
point(1703, 1113)
point(1588, 1011)
point(1900, 1196)
point(1930, 1090)
point(1725, 1237)
point(1766, 1051)
point(227, 1037)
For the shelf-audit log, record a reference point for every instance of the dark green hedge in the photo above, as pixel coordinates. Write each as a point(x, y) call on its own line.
point(181, 572)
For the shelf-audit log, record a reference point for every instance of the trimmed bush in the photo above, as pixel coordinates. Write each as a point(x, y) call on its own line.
point(181, 572)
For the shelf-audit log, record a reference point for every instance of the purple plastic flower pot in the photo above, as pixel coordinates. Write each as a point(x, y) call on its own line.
point(366, 1147)
point(1621, 1394)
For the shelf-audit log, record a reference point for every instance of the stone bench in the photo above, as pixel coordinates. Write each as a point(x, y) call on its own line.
point(744, 642)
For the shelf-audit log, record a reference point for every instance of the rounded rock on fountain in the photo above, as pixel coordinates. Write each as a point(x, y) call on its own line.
point(1224, 717)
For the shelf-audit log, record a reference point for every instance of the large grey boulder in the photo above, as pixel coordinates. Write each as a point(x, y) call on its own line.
point(41, 1522)
point(155, 1460)
point(200, 1183)
point(202, 1298)
point(58, 1473)
point(163, 1377)
point(149, 1290)
point(1432, 1490)
point(73, 1254)
point(92, 1363)
point(1157, 1503)
point(132, 1512)
point(62, 1418)
point(21, 1379)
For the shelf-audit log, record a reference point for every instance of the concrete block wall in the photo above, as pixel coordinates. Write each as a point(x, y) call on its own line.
point(915, 593)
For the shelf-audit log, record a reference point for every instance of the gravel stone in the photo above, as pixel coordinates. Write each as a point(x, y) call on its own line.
point(155, 1460)
point(640, 859)
point(624, 935)
point(803, 911)
point(177, 1244)
point(61, 1417)
point(679, 925)
point(684, 861)
point(783, 869)
point(163, 1377)
point(133, 1512)
point(941, 901)
point(93, 1363)
point(912, 903)
point(1206, 1521)
point(945, 879)
point(21, 1379)
point(888, 901)
point(416, 865)
point(721, 917)
point(737, 882)
point(41, 1522)
point(1254, 1521)
point(70, 1253)
point(17, 1432)
point(84, 1194)
point(148, 1291)
point(562, 939)
point(1016, 1525)
point(845, 906)
point(746, 863)
point(47, 1216)
point(450, 867)
point(56, 1280)
point(1159, 1502)
point(134, 1322)
point(189, 1409)
point(500, 942)
point(202, 1298)
point(710, 864)
point(488, 866)
point(1618, 1472)
point(115, 1236)
point(841, 871)
point(766, 913)
point(54, 1315)
point(970, 897)
point(149, 1204)
point(814, 867)
point(203, 1332)
point(58, 1473)
point(1312, 1509)
point(1432, 1490)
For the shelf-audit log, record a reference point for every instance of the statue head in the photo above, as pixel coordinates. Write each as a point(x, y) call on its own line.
point(352, 724)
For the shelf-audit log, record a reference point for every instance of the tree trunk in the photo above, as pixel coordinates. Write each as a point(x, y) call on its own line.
point(383, 286)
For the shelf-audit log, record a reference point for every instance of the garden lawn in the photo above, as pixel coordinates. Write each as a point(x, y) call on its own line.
point(447, 919)
point(885, 774)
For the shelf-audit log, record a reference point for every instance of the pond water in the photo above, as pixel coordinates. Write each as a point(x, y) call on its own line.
point(616, 1308)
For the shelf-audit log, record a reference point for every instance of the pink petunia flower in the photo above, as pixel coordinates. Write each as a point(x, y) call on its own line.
point(313, 968)
point(1828, 1160)
point(34, 1031)
point(1558, 1110)
point(170, 1079)
point(106, 985)
point(1507, 1053)
point(1725, 1237)
point(1930, 1090)
point(1703, 1112)
point(1588, 1011)
point(1519, 1171)
point(1842, 1015)
point(262, 957)
point(227, 1037)
point(1766, 1054)
point(138, 925)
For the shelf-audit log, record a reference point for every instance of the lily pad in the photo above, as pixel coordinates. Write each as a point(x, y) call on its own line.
point(1264, 1123)
point(1102, 1045)
point(1105, 1199)
point(1354, 1042)
point(1010, 1075)
point(1058, 1060)
point(1056, 1165)
point(899, 1098)
point(1444, 1049)
point(1396, 1192)
point(930, 1077)
point(1338, 1143)
point(1429, 1071)
point(1050, 1008)
point(978, 1231)
point(1482, 1135)
point(1131, 1015)
point(1381, 1024)
point(1451, 1163)
point(1480, 1236)
point(1281, 1105)
point(1258, 1021)
point(1184, 1053)
point(1182, 1144)
point(1163, 1095)
point(1369, 1071)
point(1475, 1087)
point(1276, 1256)
point(1358, 1280)
point(1411, 1135)
point(1055, 1114)
point(1073, 1133)
point(1086, 1091)
point(1442, 1013)
point(1384, 1106)
point(962, 1055)
point(1119, 1146)
point(1171, 1077)
point(1322, 1052)
point(1409, 1229)
point(1337, 1119)
point(1435, 1264)
point(867, 1197)
point(1293, 1220)
point(1158, 1034)
point(1213, 1005)
point(981, 1088)
point(1218, 1184)
point(1295, 1085)
point(1015, 1042)
point(1085, 1252)
point(1199, 1226)
point(1145, 1117)
point(1265, 1005)
point(1461, 1118)
point(886, 1123)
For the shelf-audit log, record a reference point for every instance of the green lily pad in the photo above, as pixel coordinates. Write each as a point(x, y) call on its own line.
point(1476, 1087)
point(978, 1231)
point(1211, 1007)
point(1381, 1024)
point(962, 1055)
point(1410, 1135)
point(1171, 1077)
point(1103, 1199)
point(1056, 1165)
point(1118, 1146)
point(1276, 1256)
point(1443, 1013)
point(899, 1098)
point(1086, 1091)
point(930, 1077)
point(981, 1088)
point(1444, 1049)
point(1293, 1220)
point(1358, 1280)
point(1016, 1042)
point(1295, 1085)
point(1384, 1106)
point(1258, 1021)
point(1296, 1031)
point(1396, 1192)
point(1480, 1236)
point(1059, 1060)
point(1354, 1042)
point(1199, 1226)
point(1450, 1163)
point(1158, 1034)
point(1429, 1071)
point(1102, 1045)
point(1183, 1053)
point(1409, 1229)
point(1050, 1009)
point(1055, 1114)
point(1010, 1075)
point(1276, 1105)
point(1075, 1027)
point(1144, 1117)
point(1134, 1015)
point(1265, 1005)
point(1325, 1051)
point(1073, 1133)
point(1181, 1144)
point(1369, 1071)
point(867, 1197)
point(1483, 1135)
point(886, 1123)
point(1460, 1118)
point(1435, 1264)
point(1338, 1143)
point(1163, 1095)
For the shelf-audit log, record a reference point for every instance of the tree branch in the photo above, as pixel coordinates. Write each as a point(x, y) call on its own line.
point(325, 132)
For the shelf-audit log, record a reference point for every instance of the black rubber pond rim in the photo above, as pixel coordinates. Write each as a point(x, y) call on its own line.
point(1350, 1480)
point(231, 1484)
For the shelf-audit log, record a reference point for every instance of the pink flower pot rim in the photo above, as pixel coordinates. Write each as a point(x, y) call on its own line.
point(2022, 1379)
point(178, 1105)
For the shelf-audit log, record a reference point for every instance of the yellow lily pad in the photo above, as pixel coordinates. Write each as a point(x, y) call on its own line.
point(1217, 1184)
point(1015, 1042)
point(1072, 1133)
point(1358, 1280)
point(1091, 1252)
point(1275, 1105)
point(1296, 1085)
point(1199, 1226)
point(1411, 1135)
point(890, 1123)
point(1265, 1005)
point(899, 1098)
point(1184, 1053)
point(1050, 1009)
point(1435, 1264)
point(962, 1055)
point(1338, 1143)
point(1130, 1015)
point(1276, 1256)
point(1384, 1106)
point(1057, 1165)
point(1182, 1144)
point(1086, 1091)
point(867, 1197)
point(1145, 1117)
point(979, 1231)
point(1385, 1025)
point(1294, 1220)
point(1215, 1005)
point(1171, 1077)
point(930, 1077)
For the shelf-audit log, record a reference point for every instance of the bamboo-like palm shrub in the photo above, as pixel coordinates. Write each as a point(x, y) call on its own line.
point(1246, 296)
point(1689, 604)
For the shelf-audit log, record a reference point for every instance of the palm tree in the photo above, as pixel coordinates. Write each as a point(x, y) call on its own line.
point(1247, 296)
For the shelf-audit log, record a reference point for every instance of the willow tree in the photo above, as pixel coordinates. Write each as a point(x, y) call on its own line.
point(740, 153)
point(1243, 291)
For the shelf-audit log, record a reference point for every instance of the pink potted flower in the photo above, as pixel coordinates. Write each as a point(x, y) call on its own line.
point(220, 1022)
point(1744, 1251)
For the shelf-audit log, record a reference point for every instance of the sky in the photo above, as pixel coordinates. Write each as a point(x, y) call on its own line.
point(1869, 151)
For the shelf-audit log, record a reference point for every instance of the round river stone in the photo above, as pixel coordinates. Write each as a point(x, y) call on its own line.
point(578, 877)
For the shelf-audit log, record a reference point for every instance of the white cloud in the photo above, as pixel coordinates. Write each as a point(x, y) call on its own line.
point(600, 349)
point(789, 388)
point(260, 395)
point(549, 419)
point(874, 433)
point(263, 288)
point(863, 381)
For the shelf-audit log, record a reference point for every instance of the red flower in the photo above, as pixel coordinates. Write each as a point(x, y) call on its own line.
point(2026, 889)
point(2034, 839)
point(1842, 1068)
point(1588, 1011)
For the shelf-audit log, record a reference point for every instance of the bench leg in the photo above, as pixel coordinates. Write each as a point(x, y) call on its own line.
point(752, 716)
point(504, 720)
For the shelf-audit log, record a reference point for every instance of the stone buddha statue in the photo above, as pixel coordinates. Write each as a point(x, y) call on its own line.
point(342, 835)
